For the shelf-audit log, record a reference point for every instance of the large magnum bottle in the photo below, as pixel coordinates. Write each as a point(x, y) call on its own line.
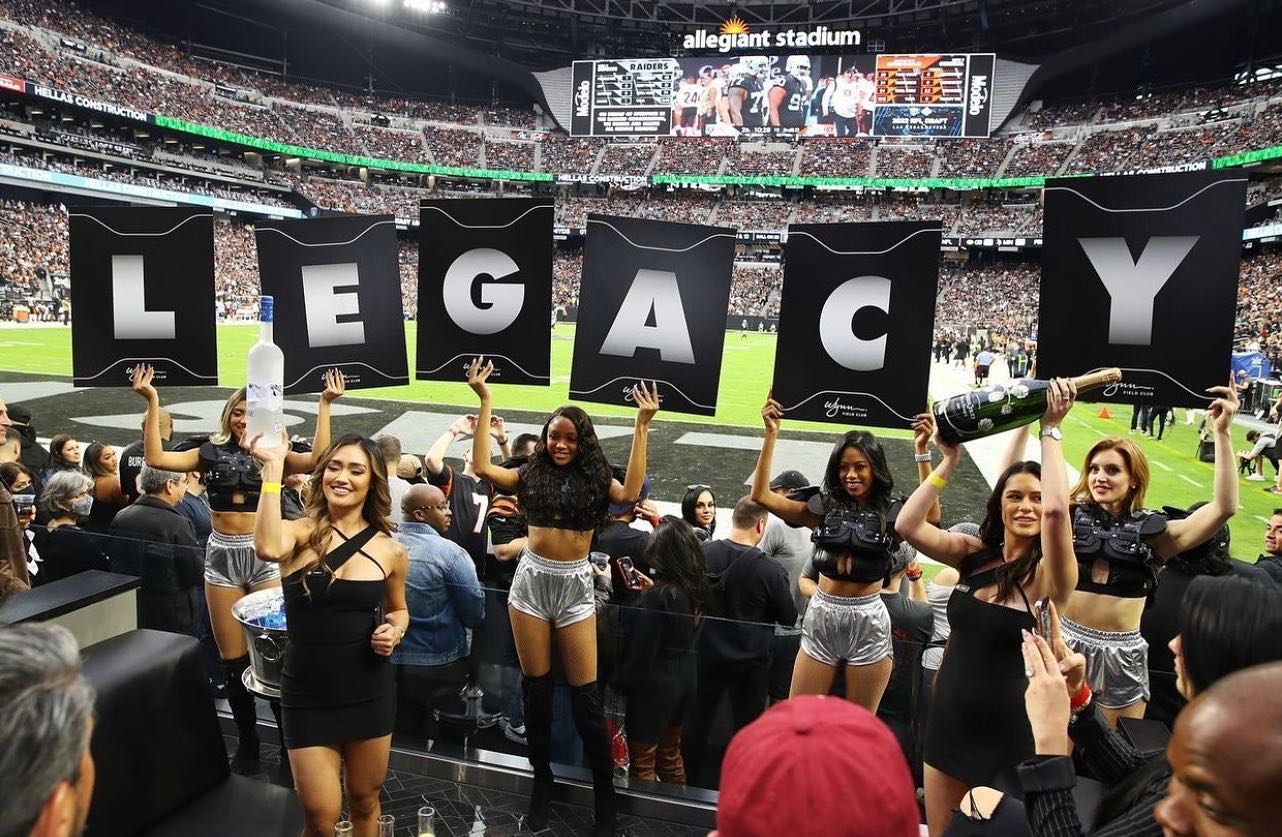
point(265, 390)
point(984, 412)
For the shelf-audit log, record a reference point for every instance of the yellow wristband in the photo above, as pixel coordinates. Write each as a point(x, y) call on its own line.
point(270, 488)
point(936, 480)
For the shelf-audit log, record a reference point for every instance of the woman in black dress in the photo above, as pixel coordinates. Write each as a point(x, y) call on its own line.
point(977, 726)
point(344, 585)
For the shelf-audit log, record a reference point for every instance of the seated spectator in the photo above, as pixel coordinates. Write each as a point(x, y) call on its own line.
point(64, 455)
point(816, 766)
point(33, 456)
point(151, 540)
point(100, 464)
point(1225, 759)
point(22, 485)
point(46, 720)
point(445, 603)
point(65, 548)
point(1271, 559)
point(658, 672)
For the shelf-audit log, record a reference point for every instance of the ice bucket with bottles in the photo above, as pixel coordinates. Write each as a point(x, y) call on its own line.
point(262, 617)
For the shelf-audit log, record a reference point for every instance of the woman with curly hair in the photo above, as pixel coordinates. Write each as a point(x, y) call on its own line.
point(100, 463)
point(659, 672)
point(232, 569)
point(564, 489)
point(344, 615)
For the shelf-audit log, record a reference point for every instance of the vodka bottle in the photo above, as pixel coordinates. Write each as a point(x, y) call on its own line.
point(265, 391)
point(973, 415)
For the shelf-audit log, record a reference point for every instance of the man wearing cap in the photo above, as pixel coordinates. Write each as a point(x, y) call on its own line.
point(816, 766)
point(621, 540)
point(33, 455)
point(790, 547)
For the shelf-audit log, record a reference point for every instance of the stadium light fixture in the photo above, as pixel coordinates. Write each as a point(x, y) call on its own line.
point(431, 7)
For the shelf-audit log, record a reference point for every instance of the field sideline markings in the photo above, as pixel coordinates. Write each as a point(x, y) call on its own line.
point(1261, 518)
point(1161, 465)
point(1189, 480)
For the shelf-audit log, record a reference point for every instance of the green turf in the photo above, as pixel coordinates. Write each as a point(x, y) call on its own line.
point(745, 378)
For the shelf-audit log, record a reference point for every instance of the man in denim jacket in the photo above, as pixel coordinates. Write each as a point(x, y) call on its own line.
point(445, 603)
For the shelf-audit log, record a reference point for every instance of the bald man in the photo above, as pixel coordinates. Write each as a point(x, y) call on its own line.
point(1226, 756)
point(445, 603)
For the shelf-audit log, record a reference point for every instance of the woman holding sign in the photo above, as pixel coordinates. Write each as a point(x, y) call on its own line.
point(853, 521)
point(564, 489)
point(1120, 547)
point(1024, 553)
point(232, 568)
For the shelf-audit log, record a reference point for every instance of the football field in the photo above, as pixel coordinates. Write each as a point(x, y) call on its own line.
point(718, 450)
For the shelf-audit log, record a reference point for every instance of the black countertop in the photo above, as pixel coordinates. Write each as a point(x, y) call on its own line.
point(64, 595)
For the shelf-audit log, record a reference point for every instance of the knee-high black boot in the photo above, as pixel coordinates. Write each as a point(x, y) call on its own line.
point(589, 720)
point(537, 693)
point(242, 710)
point(285, 772)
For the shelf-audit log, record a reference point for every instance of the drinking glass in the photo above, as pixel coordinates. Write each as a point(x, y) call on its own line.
point(387, 826)
point(426, 821)
point(343, 828)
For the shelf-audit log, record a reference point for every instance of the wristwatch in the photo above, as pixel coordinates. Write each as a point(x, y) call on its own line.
point(1053, 432)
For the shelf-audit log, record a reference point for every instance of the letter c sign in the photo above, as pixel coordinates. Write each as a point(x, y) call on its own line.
point(839, 310)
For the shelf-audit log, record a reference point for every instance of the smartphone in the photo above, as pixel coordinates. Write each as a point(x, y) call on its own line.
point(1044, 619)
point(628, 572)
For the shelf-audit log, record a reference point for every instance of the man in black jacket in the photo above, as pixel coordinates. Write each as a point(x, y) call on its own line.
point(750, 596)
point(34, 456)
point(1271, 559)
point(154, 542)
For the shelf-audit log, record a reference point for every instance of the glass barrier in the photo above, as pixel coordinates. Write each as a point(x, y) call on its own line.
point(675, 688)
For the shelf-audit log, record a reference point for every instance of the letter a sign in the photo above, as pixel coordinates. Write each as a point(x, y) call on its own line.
point(1140, 272)
point(855, 321)
point(485, 288)
point(142, 289)
point(652, 307)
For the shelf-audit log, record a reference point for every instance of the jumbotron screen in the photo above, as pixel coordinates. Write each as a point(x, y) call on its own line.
point(788, 95)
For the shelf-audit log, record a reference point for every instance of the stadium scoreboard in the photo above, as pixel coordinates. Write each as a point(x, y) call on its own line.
point(924, 95)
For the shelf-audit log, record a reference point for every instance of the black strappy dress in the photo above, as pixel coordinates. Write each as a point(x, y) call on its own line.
point(334, 688)
point(978, 728)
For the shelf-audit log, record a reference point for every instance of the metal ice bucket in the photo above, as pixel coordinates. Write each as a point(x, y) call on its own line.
point(262, 617)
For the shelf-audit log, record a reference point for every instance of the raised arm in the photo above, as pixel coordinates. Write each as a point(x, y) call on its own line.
point(647, 401)
point(434, 460)
point(498, 429)
point(275, 539)
point(950, 548)
point(153, 447)
point(923, 429)
point(1016, 448)
point(1058, 566)
point(302, 463)
point(789, 511)
point(506, 479)
point(1201, 524)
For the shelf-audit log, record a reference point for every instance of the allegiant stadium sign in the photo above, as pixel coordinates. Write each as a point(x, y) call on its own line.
point(734, 35)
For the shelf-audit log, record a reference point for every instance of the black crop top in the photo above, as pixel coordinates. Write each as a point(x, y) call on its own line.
point(227, 471)
point(863, 533)
point(1123, 542)
point(564, 514)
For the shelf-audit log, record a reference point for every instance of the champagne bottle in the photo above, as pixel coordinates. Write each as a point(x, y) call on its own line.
point(974, 415)
point(265, 391)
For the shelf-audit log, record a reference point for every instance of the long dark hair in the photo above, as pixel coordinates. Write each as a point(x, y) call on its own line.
point(687, 508)
point(57, 461)
point(883, 483)
point(992, 532)
point(1226, 624)
point(89, 460)
point(678, 561)
point(375, 510)
point(1208, 558)
point(583, 484)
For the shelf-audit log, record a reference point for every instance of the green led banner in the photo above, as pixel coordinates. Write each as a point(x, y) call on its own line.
point(211, 132)
point(1247, 157)
point(957, 183)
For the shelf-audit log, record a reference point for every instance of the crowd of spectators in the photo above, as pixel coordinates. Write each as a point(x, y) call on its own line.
point(1259, 308)
point(620, 158)
point(768, 161)
point(566, 154)
point(509, 156)
point(1001, 296)
point(904, 162)
point(755, 215)
point(1038, 158)
point(970, 157)
point(830, 157)
point(405, 146)
point(452, 147)
point(691, 155)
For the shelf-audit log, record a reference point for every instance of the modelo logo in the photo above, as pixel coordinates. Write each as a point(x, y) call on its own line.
point(978, 94)
point(583, 99)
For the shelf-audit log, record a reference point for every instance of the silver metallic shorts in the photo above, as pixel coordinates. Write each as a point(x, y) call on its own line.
point(559, 592)
point(1116, 663)
point(231, 561)
point(854, 630)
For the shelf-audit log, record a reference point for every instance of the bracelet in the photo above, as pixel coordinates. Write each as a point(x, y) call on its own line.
point(921, 457)
point(270, 487)
point(913, 575)
point(502, 441)
point(936, 480)
point(1079, 701)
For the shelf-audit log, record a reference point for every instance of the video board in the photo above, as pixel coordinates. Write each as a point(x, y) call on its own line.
point(927, 95)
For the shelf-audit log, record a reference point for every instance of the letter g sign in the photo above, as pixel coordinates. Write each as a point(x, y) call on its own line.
point(500, 302)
